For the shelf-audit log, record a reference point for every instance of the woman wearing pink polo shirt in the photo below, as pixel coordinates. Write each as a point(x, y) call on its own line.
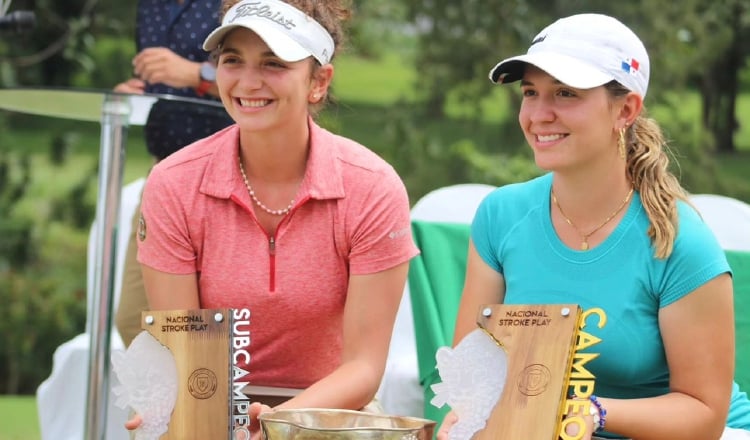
point(307, 229)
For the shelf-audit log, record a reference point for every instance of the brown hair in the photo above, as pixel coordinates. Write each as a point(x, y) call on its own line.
point(647, 157)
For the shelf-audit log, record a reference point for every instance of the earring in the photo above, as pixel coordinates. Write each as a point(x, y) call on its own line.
point(621, 144)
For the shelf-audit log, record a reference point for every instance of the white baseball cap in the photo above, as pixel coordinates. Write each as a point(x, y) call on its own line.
point(290, 33)
point(583, 51)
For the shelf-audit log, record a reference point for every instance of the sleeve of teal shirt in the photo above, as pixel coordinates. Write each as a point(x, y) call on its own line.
point(436, 279)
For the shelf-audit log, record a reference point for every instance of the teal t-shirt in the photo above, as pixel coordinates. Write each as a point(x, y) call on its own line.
point(513, 233)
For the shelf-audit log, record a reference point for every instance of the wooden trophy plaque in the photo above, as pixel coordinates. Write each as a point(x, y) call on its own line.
point(540, 342)
point(207, 345)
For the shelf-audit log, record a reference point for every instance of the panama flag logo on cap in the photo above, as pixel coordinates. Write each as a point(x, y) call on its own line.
point(630, 65)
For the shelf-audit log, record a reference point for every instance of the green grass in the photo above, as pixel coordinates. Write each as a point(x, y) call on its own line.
point(743, 134)
point(378, 82)
point(19, 418)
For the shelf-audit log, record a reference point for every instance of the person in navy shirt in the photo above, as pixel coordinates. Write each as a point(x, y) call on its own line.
point(170, 60)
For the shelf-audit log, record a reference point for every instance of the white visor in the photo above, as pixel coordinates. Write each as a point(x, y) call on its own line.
point(290, 33)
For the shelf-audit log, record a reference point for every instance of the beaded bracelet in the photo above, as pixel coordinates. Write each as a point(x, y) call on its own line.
point(600, 417)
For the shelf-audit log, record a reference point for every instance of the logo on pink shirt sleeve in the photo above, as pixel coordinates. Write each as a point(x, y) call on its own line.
point(400, 233)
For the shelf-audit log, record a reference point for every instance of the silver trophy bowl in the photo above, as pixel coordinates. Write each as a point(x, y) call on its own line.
point(339, 424)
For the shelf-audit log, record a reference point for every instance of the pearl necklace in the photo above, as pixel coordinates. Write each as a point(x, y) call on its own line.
point(585, 237)
point(260, 204)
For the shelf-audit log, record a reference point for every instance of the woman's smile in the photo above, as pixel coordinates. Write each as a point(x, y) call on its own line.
point(253, 103)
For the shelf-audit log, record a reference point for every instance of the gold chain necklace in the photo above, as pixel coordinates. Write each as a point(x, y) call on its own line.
point(260, 204)
point(585, 237)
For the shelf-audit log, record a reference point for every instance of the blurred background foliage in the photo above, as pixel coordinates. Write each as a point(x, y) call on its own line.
point(413, 87)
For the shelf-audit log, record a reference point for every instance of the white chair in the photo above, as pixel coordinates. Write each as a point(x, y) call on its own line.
point(728, 218)
point(451, 204)
point(61, 398)
point(400, 392)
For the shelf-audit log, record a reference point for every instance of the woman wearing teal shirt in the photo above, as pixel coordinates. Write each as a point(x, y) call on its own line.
point(609, 227)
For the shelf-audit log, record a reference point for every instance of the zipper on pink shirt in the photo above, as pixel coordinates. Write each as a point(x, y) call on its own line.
point(271, 238)
point(272, 261)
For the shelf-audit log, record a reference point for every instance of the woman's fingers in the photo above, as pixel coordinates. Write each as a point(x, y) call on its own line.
point(134, 422)
point(573, 429)
point(450, 419)
point(255, 410)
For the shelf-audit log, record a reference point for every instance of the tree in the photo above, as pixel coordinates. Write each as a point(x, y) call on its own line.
point(42, 304)
point(376, 26)
point(701, 44)
point(728, 23)
point(62, 44)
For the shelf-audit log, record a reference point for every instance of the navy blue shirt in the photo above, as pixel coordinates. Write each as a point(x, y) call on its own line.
point(173, 124)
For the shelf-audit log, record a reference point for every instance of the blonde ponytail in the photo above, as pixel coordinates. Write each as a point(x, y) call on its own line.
point(648, 169)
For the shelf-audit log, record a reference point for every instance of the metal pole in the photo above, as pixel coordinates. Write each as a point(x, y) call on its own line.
point(114, 127)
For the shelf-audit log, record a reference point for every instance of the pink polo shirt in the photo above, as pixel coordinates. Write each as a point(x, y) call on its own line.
point(351, 217)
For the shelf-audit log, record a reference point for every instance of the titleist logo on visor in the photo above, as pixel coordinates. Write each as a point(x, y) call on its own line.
point(262, 10)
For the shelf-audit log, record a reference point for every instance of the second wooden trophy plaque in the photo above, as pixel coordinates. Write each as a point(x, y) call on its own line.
point(540, 342)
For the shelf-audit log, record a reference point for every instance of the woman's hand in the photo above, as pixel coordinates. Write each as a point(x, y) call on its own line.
point(573, 429)
point(255, 410)
point(134, 422)
point(450, 419)
point(133, 86)
point(161, 65)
